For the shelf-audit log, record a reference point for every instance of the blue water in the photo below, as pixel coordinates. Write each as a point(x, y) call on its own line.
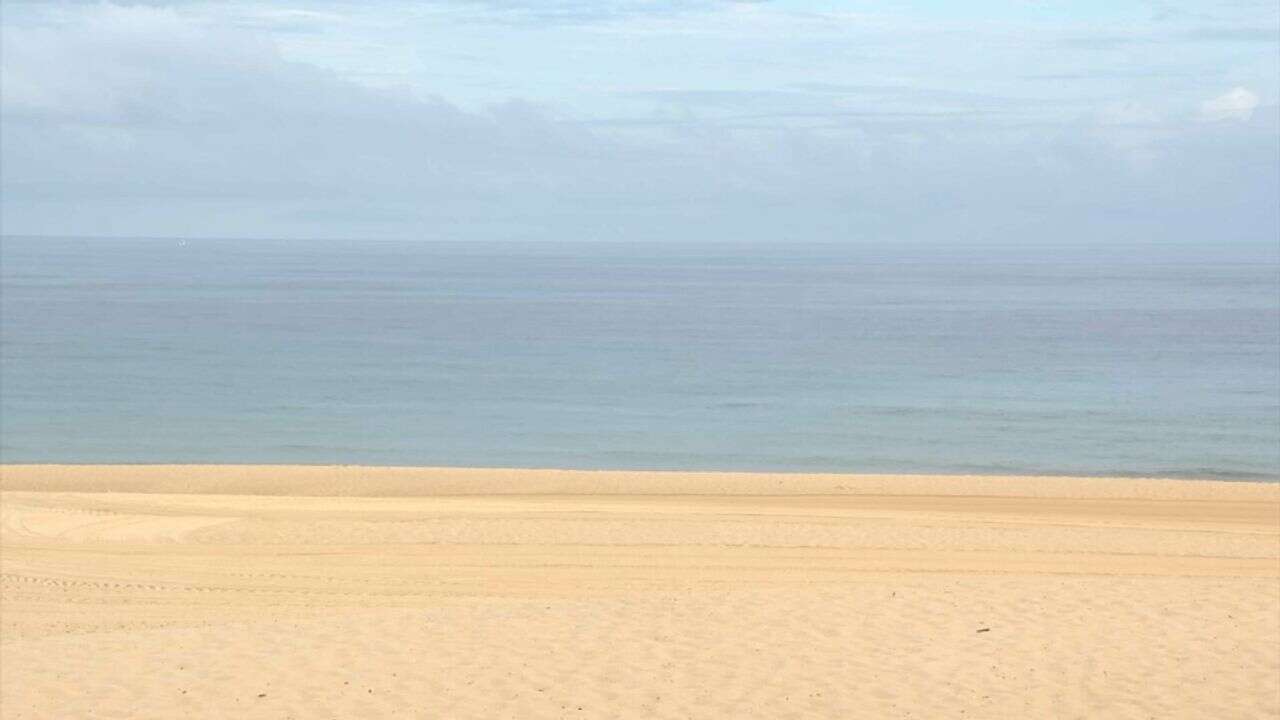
point(866, 358)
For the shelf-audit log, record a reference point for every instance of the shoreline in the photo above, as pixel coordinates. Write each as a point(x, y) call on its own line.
point(425, 481)
point(1177, 476)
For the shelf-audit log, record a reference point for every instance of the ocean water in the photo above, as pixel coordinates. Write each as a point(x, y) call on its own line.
point(857, 358)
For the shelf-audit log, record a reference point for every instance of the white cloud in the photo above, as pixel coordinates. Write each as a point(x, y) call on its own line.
point(160, 121)
point(1128, 112)
point(1235, 104)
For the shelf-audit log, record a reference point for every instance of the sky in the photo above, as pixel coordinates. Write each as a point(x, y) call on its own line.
point(644, 120)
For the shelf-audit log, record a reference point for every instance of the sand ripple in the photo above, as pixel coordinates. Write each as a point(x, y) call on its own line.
point(665, 605)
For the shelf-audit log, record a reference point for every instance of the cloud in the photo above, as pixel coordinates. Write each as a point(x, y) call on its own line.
point(1263, 35)
point(142, 120)
point(549, 13)
point(1207, 35)
point(1104, 41)
point(1235, 104)
point(291, 21)
point(1128, 112)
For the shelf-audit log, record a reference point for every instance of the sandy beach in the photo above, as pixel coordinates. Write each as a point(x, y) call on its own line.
point(350, 592)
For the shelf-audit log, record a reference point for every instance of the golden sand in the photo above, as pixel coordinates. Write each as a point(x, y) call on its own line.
point(348, 592)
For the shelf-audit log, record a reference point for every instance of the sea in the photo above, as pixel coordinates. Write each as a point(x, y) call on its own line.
point(1145, 359)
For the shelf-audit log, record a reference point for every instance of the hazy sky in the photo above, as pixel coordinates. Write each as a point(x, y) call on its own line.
point(803, 120)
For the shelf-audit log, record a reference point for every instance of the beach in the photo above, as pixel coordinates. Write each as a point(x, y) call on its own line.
point(366, 592)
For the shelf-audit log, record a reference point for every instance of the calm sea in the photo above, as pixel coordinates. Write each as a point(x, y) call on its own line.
point(860, 358)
